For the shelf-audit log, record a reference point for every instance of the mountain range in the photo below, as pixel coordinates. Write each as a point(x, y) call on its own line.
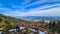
point(39, 17)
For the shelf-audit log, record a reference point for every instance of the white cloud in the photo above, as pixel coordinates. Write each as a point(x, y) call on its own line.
point(34, 12)
point(45, 6)
point(48, 12)
point(42, 1)
point(5, 9)
point(55, 11)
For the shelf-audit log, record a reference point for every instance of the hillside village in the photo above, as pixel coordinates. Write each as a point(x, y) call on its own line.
point(19, 26)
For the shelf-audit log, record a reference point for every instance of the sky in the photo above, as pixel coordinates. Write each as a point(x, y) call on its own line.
point(30, 7)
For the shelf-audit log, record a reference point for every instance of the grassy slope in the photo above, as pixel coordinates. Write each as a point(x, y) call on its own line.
point(5, 20)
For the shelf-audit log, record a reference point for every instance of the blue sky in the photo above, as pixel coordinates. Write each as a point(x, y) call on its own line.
point(30, 7)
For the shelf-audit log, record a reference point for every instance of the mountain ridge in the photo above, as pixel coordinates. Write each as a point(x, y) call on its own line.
point(40, 17)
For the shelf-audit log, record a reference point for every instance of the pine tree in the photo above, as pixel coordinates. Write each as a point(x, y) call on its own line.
point(58, 27)
point(0, 19)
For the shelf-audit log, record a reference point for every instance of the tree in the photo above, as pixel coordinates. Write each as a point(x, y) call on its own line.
point(0, 19)
point(52, 26)
point(43, 21)
point(58, 27)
